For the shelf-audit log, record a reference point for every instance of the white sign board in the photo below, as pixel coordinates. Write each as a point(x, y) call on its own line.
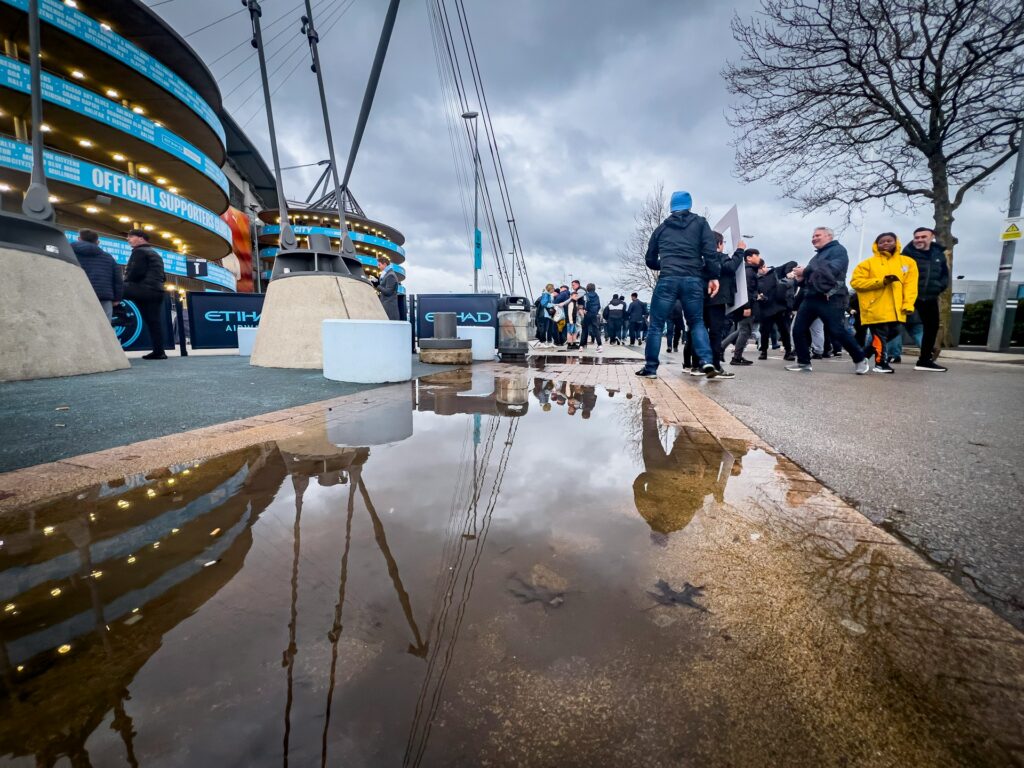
point(731, 223)
point(1012, 229)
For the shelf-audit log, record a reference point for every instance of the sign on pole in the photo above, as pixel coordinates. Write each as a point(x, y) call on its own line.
point(1012, 229)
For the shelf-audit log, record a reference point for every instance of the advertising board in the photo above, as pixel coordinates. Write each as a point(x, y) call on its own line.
point(214, 318)
point(469, 308)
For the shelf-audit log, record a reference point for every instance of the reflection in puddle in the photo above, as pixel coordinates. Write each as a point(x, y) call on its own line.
point(452, 567)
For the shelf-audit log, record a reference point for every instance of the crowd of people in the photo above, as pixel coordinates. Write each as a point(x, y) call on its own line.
point(711, 300)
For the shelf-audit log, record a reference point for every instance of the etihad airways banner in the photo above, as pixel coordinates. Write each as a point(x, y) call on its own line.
point(18, 156)
point(17, 76)
point(86, 29)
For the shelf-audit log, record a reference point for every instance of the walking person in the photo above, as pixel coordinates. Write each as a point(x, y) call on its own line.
point(615, 314)
point(635, 313)
point(387, 288)
point(886, 286)
point(573, 313)
point(932, 282)
point(592, 317)
point(747, 315)
point(771, 299)
point(715, 306)
point(144, 280)
point(103, 272)
point(684, 252)
point(675, 327)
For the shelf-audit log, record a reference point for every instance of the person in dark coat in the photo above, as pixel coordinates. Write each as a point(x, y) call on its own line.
point(772, 298)
point(824, 275)
point(932, 281)
point(715, 306)
point(635, 314)
point(675, 326)
point(144, 280)
point(101, 269)
point(749, 314)
point(387, 287)
point(615, 314)
point(682, 251)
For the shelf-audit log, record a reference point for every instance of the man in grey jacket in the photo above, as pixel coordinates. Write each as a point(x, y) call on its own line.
point(388, 288)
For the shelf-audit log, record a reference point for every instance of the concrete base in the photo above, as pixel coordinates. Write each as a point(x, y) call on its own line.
point(446, 356)
point(367, 351)
point(482, 337)
point(289, 334)
point(246, 340)
point(50, 321)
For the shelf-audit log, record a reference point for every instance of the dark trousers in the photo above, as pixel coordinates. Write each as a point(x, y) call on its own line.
point(714, 319)
point(778, 322)
point(739, 337)
point(151, 307)
point(673, 331)
point(689, 359)
point(881, 334)
point(636, 331)
point(928, 311)
point(815, 307)
point(591, 329)
point(614, 328)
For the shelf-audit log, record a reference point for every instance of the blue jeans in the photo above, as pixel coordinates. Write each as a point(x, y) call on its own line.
point(916, 330)
point(689, 290)
point(817, 307)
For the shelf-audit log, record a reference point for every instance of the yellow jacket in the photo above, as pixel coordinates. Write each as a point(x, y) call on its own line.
point(881, 303)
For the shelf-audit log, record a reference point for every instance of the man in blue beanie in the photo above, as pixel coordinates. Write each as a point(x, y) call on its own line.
point(684, 253)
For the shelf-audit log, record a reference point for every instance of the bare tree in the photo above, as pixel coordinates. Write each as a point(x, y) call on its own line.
point(901, 101)
point(633, 273)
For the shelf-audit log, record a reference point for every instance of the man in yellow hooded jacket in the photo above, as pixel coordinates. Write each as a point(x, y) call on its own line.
point(886, 286)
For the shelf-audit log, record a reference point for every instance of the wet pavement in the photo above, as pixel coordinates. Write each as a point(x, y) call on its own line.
point(481, 568)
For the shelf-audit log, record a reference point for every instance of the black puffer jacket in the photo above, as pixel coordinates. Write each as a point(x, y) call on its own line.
point(101, 269)
point(683, 246)
point(932, 271)
point(145, 269)
point(775, 288)
point(726, 279)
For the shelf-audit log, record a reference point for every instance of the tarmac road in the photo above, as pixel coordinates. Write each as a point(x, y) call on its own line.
point(934, 458)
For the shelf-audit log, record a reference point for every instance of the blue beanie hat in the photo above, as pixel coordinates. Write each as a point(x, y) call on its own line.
point(681, 201)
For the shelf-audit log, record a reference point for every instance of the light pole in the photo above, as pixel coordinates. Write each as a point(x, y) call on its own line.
point(995, 328)
point(477, 255)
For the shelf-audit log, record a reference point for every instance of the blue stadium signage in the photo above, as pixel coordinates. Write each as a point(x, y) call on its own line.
point(16, 76)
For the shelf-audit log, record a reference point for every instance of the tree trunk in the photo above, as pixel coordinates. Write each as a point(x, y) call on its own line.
point(944, 234)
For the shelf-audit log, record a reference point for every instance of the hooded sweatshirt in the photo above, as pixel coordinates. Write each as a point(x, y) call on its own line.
point(881, 302)
point(684, 246)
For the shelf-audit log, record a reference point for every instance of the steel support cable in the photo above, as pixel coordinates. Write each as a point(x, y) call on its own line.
point(302, 47)
point(298, 46)
point(212, 23)
point(449, 111)
point(497, 246)
point(271, 55)
point(247, 41)
point(493, 140)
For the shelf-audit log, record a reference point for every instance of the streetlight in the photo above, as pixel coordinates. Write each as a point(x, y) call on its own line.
point(477, 258)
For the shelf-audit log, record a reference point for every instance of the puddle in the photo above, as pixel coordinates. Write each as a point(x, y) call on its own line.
point(479, 569)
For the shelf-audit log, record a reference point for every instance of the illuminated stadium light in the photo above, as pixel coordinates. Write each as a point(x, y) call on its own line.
point(166, 235)
point(5, 187)
point(161, 180)
point(113, 94)
point(70, 3)
point(119, 157)
point(104, 26)
point(91, 209)
point(84, 143)
point(54, 199)
point(138, 110)
point(124, 219)
point(78, 74)
point(173, 190)
point(143, 169)
point(45, 128)
point(148, 227)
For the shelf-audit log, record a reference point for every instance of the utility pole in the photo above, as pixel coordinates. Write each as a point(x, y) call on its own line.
point(477, 254)
point(995, 328)
point(287, 238)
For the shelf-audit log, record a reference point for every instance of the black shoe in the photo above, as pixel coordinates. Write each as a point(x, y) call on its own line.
point(763, 356)
point(724, 374)
point(882, 368)
point(709, 370)
point(928, 365)
point(695, 371)
point(896, 360)
point(154, 356)
point(815, 356)
point(838, 353)
point(740, 361)
point(776, 346)
point(643, 373)
point(789, 356)
point(827, 355)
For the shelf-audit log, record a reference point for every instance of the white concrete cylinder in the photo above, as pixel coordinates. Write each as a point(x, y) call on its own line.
point(367, 351)
point(482, 337)
point(246, 338)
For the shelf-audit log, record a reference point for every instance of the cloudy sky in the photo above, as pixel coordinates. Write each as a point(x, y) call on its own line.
point(594, 103)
